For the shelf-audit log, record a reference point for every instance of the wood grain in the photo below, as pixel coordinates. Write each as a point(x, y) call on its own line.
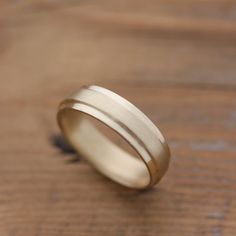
point(176, 60)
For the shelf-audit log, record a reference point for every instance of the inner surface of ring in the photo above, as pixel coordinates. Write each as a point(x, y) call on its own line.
point(105, 155)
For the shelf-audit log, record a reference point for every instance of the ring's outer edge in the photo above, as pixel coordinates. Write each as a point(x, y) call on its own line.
point(70, 102)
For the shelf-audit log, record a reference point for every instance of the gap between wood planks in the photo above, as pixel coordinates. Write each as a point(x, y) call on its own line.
point(169, 25)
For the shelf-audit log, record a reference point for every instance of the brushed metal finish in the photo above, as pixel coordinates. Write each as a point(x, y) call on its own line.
point(125, 119)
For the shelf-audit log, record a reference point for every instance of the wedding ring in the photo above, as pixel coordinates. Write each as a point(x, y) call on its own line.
point(153, 155)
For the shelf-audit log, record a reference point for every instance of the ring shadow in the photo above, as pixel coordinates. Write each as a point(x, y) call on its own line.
point(60, 143)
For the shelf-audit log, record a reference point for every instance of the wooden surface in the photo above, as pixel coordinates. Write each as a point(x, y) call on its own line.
point(176, 60)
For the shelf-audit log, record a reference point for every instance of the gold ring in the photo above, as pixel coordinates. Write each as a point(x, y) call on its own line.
point(74, 118)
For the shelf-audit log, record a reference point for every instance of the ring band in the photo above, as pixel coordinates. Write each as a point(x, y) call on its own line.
point(126, 120)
